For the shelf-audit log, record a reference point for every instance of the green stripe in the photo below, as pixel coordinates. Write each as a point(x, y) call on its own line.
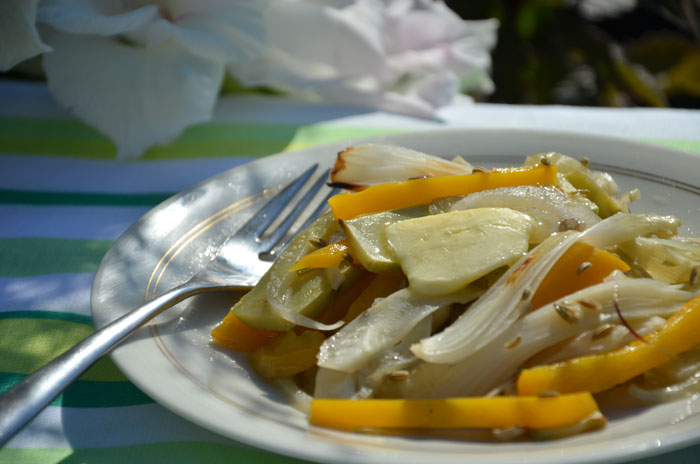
point(159, 453)
point(21, 257)
point(88, 394)
point(28, 197)
point(26, 344)
point(76, 139)
point(53, 315)
point(687, 145)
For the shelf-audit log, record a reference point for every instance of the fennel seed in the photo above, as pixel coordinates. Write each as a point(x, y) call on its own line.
point(398, 376)
point(693, 280)
point(317, 242)
point(584, 265)
point(585, 161)
point(570, 224)
point(590, 304)
point(545, 162)
point(513, 343)
point(548, 394)
point(480, 169)
point(527, 293)
point(602, 332)
point(347, 257)
point(568, 313)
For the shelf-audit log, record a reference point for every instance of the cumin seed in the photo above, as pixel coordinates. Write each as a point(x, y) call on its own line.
point(590, 304)
point(584, 265)
point(317, 242)
point(513, 343)
point(602, 332)
point(567, 312)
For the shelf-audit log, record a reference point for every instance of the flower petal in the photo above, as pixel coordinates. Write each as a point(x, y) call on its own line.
point(19, 39)
point(407, 56)
point(98, 17)
point(345, 43)
point(137, 96)
point(217, 29)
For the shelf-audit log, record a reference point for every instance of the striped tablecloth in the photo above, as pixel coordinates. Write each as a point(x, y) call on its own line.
point(64, 200)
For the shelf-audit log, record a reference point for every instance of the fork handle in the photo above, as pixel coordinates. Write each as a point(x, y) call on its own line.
point(31, 395)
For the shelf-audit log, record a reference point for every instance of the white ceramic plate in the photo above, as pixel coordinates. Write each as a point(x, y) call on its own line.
point(173, 361)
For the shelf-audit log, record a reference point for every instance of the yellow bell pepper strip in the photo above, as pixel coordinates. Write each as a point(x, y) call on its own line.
point(234, 334)
point(414, 192)
point(452, 413)
point(571, 273)
point(328, 256)
point(600, 372)
point(287, 355)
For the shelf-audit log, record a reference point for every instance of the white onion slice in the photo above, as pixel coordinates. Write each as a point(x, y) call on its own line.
point(549, 206)
point(377, 164)
point(494, 363)
point(381, 326)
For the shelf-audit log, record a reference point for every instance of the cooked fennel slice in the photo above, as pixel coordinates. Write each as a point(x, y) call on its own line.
point(567, 164)
point(552, 209)
point(443, 253)
point(381, 326)
point(378, 163)
point(670, 260)
point(600, 340)
point(499, 360)
point(677, 379)
point(504, 302)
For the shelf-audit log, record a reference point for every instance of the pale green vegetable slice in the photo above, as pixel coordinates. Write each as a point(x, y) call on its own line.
point(675, 260)
point(443, 253)
point(304, 293)
point(366, 237)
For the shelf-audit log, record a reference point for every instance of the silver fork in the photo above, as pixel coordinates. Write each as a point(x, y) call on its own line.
point(238, 264)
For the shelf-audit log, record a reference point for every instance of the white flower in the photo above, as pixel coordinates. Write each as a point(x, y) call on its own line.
point(19, 38)
point(409, 56)
point(141, 72)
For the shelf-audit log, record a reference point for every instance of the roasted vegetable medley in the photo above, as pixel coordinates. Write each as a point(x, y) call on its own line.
point(439, 295)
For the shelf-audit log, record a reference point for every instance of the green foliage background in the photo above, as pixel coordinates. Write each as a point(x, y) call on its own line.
point(548, 52)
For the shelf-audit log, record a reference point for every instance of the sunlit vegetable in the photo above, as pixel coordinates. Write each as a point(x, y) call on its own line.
point(328, 256)
point(357, 167)
point(552, 209)
point(286, 355)
point(381, 326)
point(600, 372)
point(468, 289)
point(581, 266)
point(674, 260)
point(510, 296)
point(497, 361)
point(367, 238)
point(398, 195)
point(443, 253)
point(282, 298)
point(495, 412)
point(236, 335)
